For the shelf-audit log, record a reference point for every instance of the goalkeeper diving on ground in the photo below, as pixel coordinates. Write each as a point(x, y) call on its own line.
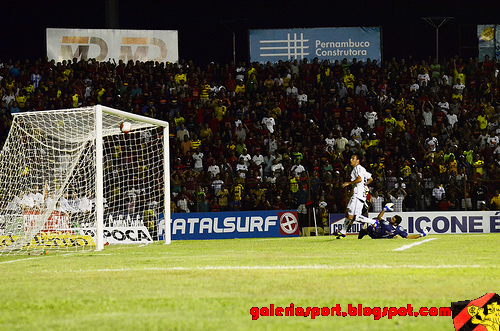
point(383, 229)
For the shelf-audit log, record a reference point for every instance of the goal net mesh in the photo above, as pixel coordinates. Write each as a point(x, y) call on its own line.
point(48, 179)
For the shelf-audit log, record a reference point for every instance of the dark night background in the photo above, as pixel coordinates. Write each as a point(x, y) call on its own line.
point(205, 27)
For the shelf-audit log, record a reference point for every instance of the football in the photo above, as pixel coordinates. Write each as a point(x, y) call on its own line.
point(126, 127)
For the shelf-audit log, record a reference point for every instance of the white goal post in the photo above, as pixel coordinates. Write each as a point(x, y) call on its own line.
point(66, 175)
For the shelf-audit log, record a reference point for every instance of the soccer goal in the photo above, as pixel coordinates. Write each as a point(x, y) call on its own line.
point(66, 176)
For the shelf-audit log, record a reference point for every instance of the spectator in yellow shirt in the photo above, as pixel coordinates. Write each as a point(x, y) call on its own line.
point(180, 77)
point(220, 110)
point(240, 88)
point(349, 80)
point(495, 201)
point(478, 164)
point(483, 122)
point(74, 99)
point(458, 75)
point(21, 99)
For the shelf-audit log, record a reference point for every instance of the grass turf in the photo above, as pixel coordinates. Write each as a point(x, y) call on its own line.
point(213, 284)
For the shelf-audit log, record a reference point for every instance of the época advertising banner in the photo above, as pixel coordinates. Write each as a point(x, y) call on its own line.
point(324, 43)
point(110, 44)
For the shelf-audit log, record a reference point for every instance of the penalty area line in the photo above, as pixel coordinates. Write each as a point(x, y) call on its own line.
point(402, 248)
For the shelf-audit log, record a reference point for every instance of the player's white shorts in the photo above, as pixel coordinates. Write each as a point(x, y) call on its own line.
point(355, 206)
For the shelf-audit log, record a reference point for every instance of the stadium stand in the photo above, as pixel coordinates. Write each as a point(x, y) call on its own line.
point(247, 136)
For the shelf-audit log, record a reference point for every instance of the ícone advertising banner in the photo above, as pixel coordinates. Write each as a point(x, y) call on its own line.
point(449, 222)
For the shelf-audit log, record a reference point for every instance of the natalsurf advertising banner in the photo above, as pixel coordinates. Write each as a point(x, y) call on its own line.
point(231, 225)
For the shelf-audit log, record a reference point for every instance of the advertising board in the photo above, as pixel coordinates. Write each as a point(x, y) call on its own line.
point(110, 44)
point(322, 43)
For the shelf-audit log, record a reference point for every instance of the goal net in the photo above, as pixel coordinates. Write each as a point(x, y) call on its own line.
point(66, 176)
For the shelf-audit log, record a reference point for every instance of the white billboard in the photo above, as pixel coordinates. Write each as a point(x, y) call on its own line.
point(104, 45)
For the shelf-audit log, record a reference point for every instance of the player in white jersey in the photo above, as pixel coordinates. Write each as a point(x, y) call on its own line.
point(360, 178)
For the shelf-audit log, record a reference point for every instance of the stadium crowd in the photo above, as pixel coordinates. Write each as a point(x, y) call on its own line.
point(279, 135)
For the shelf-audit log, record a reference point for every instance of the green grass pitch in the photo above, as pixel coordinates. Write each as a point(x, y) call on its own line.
point(213, 284)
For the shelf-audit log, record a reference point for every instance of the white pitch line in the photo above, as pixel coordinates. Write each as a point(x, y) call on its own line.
point(20, 260)
point(283, 267)
point(402, 248)
point(33, 258)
